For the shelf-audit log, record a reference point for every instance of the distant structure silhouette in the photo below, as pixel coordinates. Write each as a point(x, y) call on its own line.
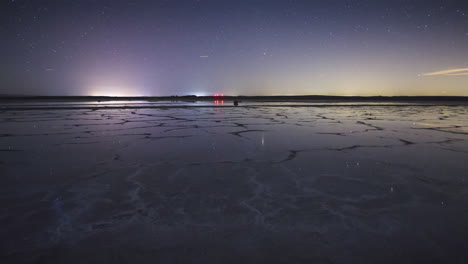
point(236, 103)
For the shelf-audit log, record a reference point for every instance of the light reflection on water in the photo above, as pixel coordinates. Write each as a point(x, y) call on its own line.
point(219, 103)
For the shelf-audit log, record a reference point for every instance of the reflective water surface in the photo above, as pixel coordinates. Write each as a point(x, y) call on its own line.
point(147, 104)
point(340, 184)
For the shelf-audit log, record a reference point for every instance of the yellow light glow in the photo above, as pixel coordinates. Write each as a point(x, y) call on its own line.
point(452, 72)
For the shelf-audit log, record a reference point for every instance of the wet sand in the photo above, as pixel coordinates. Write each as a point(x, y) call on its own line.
point(268, 183)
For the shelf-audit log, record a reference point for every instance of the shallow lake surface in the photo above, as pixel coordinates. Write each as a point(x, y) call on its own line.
point(257, 184)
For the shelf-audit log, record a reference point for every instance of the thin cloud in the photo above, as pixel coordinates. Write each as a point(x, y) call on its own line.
point(452, 72)
point(458, 74)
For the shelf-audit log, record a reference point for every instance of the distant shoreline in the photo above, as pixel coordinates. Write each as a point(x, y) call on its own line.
point(193, 98)
point(23, 103)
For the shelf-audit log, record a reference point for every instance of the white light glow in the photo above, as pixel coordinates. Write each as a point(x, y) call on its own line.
point(113, 91)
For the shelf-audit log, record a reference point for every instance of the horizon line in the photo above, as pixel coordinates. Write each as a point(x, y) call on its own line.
point(214, 96)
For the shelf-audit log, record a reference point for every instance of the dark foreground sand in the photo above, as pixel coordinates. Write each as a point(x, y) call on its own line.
point(341, 184)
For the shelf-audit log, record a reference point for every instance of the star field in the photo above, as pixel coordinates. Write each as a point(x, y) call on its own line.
point(233, 47)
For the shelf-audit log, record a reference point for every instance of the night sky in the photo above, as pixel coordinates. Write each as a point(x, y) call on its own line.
point(133, 48)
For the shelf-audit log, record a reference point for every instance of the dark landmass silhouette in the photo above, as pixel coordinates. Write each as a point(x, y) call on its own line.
point(19, 103)
point(191, 98)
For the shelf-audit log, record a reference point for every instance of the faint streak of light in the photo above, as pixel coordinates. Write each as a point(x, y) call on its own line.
point(49, 69)
point(462, 71)
point(458, 74)
point(204, 56)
